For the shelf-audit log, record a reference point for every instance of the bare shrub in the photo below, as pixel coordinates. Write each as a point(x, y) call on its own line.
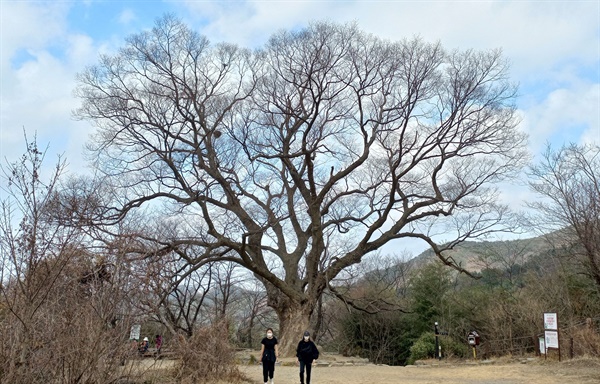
point(586, 342)
point(207, 356)
point(76, 334)
point(62, 318)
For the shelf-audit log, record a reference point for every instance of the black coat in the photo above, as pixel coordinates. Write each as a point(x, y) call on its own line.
point(269, 353)
point(307, 351)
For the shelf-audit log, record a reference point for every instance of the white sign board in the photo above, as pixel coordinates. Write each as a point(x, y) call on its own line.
point(550, 321)
point(135, 332)
point(551, 338)
point(542, 346)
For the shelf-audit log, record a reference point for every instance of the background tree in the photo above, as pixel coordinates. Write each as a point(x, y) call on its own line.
point(297, 159)
point(225, 293)
point(29, 241)
point(174, 293)
point(568, 179)
point(430, 288)
point(372, 321)
point(499, 305)
point(378, 284)
point(254, 314)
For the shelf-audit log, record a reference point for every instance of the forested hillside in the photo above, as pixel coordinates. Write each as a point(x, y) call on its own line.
point(514, 283)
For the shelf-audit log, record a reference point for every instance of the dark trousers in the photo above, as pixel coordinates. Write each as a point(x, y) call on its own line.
point(268, 370)
point(308, 365)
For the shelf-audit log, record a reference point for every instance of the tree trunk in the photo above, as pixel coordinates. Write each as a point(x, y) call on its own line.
point(250, 327)
point(316, 326)
point(294, 319)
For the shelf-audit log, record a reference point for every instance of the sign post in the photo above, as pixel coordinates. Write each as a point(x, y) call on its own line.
point(438, 347)
point(473, 340)
point(551, 333)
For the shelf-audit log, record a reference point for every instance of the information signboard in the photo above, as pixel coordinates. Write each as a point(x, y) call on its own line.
point(551, 333)
point(135, 332)
point(550, 321)
point(551, 338)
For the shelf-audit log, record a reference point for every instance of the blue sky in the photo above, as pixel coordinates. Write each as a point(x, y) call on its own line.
point(553, 47)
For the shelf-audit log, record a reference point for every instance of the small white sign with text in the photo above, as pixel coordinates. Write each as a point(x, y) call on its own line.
point(551, 338)
point(550, 321)
point(135, 332)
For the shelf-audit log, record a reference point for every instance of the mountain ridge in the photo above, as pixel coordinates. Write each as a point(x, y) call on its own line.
point(474, 256)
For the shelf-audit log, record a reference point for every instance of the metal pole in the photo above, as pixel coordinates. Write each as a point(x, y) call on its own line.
point(571, 350)
point(437, 343)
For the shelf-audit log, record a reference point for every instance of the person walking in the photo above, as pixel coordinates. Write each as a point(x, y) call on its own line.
point(306, 353)
point(158, 341)
point(269, 352)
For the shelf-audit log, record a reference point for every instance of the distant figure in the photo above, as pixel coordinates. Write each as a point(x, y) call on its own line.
point(158, 343)
point(269, 353)
point(143, 346)
point(306, 353)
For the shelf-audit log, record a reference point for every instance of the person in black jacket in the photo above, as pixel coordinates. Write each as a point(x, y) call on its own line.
point(269, 353)
point(306, 353)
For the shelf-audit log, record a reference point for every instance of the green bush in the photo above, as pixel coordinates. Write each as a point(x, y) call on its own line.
point(453, 348)
point(423, 348)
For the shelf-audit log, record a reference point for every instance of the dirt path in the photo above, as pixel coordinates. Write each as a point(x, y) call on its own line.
point(339, 370)
point(538, 372)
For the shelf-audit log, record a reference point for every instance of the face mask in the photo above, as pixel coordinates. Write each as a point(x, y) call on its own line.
point(269, 335)
point(305, 338)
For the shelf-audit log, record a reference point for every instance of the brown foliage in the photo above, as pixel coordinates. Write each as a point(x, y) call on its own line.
point(62, 318)
point(206, 356)
point(74, 335)
point(586, 342)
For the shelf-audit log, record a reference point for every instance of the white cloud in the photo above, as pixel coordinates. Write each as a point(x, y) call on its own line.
point(251, 23)
point(127, 16)
point(546, 41)
point(534, 35)
point(44, 102)
point(36, 89)
point(563, 115)
point(592, 134)
point(30, 24)
point(81, 50)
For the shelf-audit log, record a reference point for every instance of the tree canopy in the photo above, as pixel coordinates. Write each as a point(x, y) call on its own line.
point(298, 158)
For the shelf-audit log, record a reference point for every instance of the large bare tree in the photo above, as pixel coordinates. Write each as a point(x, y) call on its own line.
point(297, 159)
